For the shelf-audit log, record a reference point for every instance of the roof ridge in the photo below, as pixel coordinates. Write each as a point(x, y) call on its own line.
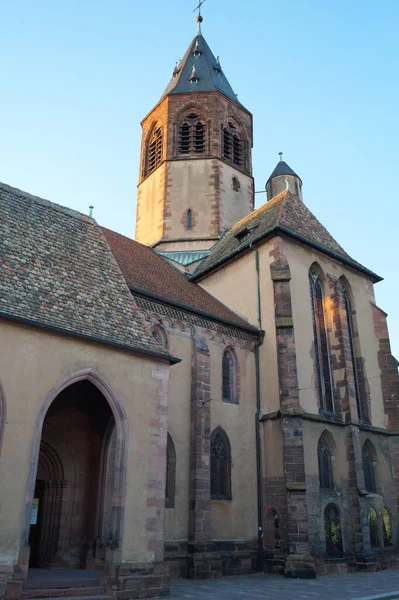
point(70, 212)
point(259, 210)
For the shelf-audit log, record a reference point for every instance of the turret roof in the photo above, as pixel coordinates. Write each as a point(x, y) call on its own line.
point(283, 169)
point(199, 71)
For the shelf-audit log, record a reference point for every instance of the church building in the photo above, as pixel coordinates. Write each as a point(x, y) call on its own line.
point(214, 397)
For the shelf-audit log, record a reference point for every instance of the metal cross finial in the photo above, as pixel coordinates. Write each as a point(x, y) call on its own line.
point(201, 2)
point(281, 156)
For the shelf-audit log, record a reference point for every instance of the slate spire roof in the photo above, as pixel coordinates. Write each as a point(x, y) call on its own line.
point(57, 272)
point(208, 74)
point(283, 169)
point(287, 215)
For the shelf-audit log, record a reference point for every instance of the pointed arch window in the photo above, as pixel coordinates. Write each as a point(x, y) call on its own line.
point(373, 523)
point(325, 464)
point(386, 527)
point(170, 473)
point(332, 527)
point(322, 357)
point(159, 334)
point(229, 377)
point(192, 135)
point(220, 465)
point(154, 150)
point(368, 455)
point(361, 402)
point(233, 147)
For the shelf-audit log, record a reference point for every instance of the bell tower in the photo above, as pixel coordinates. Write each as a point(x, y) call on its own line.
point(195, 176)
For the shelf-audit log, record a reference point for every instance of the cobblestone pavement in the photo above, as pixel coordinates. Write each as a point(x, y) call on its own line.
point(265, 587)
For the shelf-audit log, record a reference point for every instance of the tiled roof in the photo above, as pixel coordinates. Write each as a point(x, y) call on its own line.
point(57, 271)
point(207, 71)
point(145, 271)
point(186, 257)
point(283, 169)
point(284, 214)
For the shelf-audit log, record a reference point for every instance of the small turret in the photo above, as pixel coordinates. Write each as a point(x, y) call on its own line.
point(282, 178)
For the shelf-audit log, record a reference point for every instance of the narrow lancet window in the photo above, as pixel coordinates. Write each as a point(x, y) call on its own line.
point(189, 223)
point(368, 454)
point(229, 377)
point(154, 151)
point(325, 464)
point(220, 465)
point(170, 473)
point(332, 526)
point(322, 355)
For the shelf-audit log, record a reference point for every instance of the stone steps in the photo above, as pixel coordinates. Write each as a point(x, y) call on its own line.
point(75, 597)
point(67, 591)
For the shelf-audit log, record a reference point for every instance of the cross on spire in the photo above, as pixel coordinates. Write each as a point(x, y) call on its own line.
point(201, 2)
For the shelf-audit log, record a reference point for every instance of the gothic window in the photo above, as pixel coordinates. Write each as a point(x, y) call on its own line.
point(325, 464)
point(368, 454)
point(386, 527)
point(220, 465)
point(332, 527)
point(373, 523)
point(235, 184)
point(233, 148)
point(158, 333)
point(189, 222)
point(192, 135)
point(170, 473)
point(154, 150)
point(322, 358)
point(360, 402)
point(229, 377)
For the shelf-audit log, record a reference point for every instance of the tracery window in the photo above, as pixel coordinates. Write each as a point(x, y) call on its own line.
point(325, 464)
point(192, 135)
point(229, 377)
point(332, 527)
point(322, 357)
point(233, 147)
point(170, 473)
point(154, 150)
point(368, 454)
point(220, 465)
point(360, 402)
point(386, 527)
point(373, 523)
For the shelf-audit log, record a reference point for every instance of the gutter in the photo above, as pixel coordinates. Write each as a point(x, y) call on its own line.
point(280, 228)
point(172, 360)
point(249, 328)
point(257, 418)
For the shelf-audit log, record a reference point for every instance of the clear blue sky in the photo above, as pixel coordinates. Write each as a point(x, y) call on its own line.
point(321, 78)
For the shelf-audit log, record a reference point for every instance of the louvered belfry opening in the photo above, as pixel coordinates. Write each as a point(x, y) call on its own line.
point(192, 135)
point(154, 152)
point(232, 145)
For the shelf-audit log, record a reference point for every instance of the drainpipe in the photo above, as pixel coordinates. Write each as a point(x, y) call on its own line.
point(257, 417)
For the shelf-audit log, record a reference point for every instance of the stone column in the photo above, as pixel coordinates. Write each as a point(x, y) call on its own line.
point(299, 562)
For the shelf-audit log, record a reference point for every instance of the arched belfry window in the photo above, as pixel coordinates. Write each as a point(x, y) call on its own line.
point(192, 135)
point(322, 355)
point(154, 150)
point(325, 464)
point(158, 333)
point(233, 146)
point(332, 527)
point(361, 401)
point(368, 459)
point(229, 377)
point(170, 473)
point(220, 465)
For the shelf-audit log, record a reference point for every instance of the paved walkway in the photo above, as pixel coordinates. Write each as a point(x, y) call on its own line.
point(268, 587)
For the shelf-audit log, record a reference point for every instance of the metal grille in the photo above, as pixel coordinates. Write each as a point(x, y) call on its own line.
point(332, 526)
point(192, 135)
point(232, 145)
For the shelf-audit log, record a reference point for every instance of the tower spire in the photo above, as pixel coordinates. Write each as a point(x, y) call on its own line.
point(199, 18)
